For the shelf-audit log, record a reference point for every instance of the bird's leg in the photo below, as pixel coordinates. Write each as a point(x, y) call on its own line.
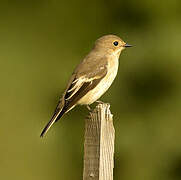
point(88, 107)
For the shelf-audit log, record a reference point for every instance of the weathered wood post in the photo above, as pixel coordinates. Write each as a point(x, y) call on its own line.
point(99, 144)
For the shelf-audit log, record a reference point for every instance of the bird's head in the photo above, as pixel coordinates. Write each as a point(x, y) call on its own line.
point(112, 44)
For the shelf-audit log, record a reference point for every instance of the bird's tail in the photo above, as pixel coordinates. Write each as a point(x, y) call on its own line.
point(57, 115)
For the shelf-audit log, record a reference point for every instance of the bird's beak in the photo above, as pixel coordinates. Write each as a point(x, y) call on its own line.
point(127, 45)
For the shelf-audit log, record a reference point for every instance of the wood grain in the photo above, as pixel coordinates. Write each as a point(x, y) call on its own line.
point(99, 144)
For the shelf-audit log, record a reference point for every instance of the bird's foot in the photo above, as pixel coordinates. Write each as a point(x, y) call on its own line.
point(100, 102)
point(103, 103)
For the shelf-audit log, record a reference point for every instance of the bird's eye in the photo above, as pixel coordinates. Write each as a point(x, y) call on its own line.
point(115, 43)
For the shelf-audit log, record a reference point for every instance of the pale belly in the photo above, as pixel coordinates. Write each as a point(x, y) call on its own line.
point(103, 85)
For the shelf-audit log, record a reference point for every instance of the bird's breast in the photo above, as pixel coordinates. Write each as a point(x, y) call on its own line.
point(103, 85)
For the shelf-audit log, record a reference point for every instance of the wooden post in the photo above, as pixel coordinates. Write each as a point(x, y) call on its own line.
point(99, 144)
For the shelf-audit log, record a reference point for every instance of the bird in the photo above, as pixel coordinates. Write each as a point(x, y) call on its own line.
point(91, 78)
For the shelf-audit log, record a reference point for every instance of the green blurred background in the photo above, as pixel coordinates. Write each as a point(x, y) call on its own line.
point(40, 44)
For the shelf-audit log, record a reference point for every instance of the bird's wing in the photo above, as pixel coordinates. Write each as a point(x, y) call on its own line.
point(86, 76)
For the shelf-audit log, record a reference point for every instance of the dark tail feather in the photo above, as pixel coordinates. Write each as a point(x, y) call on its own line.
point(56, 116)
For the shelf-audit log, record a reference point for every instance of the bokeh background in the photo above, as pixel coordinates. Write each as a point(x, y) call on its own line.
point(40, 44)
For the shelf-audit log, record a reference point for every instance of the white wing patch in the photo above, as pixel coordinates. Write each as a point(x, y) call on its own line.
point(78, 84)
